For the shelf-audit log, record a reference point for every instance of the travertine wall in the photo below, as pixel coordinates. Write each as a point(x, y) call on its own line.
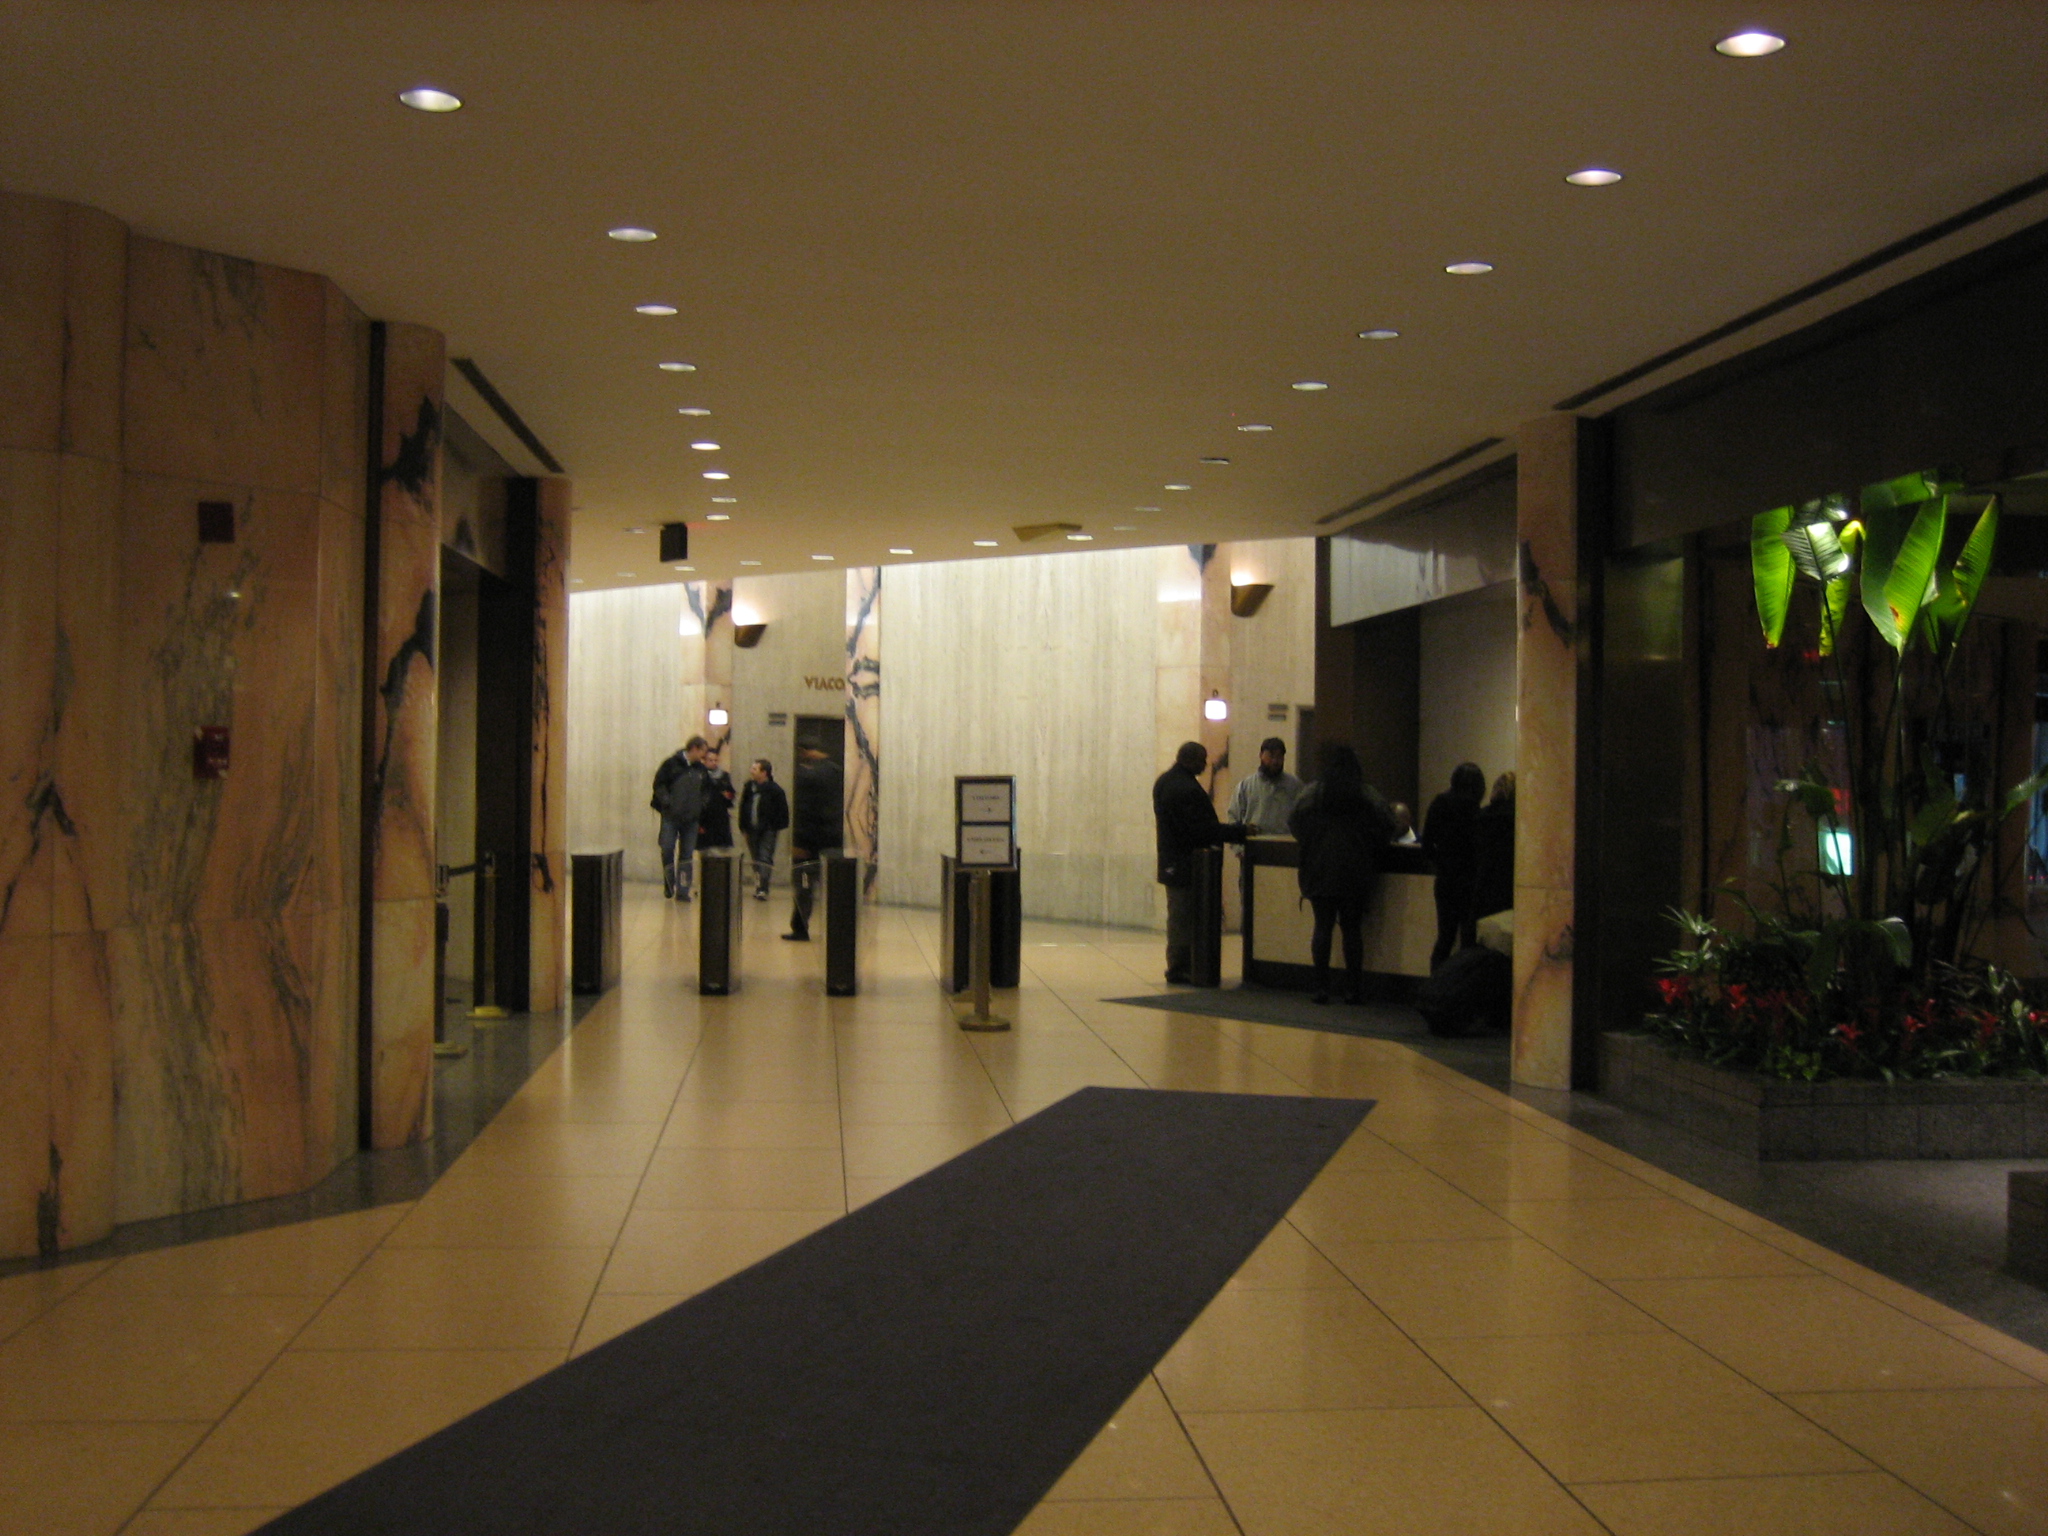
point(180, 947)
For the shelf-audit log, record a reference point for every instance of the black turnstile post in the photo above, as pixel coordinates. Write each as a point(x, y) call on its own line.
point(1205, 968)
point(842, 925)
point(1006, 925)
point(721, 896)
point(597, 893)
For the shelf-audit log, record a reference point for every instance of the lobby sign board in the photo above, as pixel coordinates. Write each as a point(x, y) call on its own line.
point(985, 821)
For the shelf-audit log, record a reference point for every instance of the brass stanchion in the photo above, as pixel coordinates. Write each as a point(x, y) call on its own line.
point(979, 1018)
point(487, 1011)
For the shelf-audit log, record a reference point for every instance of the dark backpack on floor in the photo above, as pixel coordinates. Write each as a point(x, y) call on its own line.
point(1471, 993)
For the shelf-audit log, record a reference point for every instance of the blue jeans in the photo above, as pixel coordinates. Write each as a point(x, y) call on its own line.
point(678, 852)
point(761, 847)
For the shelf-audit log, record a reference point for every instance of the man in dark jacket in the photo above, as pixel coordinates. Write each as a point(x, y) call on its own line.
point(764, 812)
point(815, 831)
point(1187, 823)
point(679, 785)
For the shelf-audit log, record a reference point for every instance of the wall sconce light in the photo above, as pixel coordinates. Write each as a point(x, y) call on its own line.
point(718, 717)
point(747, 636)
point(1213, 708)
point(1246, 598)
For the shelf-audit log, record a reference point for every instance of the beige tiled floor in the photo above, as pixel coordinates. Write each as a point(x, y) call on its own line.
point(1476, 1319)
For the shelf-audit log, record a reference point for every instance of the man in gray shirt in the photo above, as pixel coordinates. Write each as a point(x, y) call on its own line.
point(1266, 799)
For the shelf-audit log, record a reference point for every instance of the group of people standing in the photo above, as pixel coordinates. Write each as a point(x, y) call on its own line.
point(695, 799)
point(1343, 825)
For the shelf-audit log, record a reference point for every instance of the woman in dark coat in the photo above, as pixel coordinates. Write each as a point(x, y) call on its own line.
point(1342, 824)
point(1448, 839)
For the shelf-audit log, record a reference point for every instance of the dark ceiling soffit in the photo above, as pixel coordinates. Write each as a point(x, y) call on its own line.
point(1402, 484)
point(1878, 258)
point(1456, 490)
point(466, 366)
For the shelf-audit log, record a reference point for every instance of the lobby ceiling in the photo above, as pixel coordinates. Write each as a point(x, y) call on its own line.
point(946, 267)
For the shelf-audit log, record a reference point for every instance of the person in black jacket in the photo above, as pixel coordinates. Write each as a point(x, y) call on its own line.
point(1493, 843)
point(764, 812)
point(679, 799)
point(1187, 822)
point(815, 831)
point(1447, 837)
point(714, 822)
point(1342, 824)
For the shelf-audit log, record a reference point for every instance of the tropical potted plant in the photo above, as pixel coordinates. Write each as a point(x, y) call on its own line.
point(1856, 962)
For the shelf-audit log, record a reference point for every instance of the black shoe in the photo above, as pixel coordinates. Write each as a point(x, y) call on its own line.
point(668, 887)
point(798, 938)
point(682, 896)
point(760, 895)
point(1178, 979)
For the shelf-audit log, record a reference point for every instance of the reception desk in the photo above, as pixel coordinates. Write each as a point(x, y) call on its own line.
point(1400, 929)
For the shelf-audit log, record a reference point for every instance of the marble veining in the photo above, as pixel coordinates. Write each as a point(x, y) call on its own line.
point(548, 821)
point(864, 721)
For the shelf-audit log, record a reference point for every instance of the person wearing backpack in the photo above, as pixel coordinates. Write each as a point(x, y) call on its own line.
point(1342, 824)
point(679, 789)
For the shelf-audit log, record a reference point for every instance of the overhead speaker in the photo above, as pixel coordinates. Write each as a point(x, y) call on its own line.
point(675, 542)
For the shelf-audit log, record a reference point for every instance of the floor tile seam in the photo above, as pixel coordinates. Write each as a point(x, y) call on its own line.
point(269, 1365)
point(633, 1200)
point(2038, 1374)
point(1926, 1493)
point(107, 1267)
point(79, 1423)
point(1470, 1397)
point(1939, 1330)
point(1188, 1439)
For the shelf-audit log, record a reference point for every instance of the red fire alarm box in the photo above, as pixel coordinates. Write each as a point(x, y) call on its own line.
point(210, 752)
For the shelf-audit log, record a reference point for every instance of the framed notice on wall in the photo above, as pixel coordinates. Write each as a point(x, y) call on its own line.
point(985, 820)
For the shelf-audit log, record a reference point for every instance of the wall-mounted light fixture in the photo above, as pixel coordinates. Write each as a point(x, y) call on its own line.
point(1213, 708)
point(747, 636)
point(718, 716)
point(1246, 597)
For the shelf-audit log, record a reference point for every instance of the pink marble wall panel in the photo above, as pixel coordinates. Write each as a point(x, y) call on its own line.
point(548, 810)
point(31, 322)
point(225, 369)
point(405, 722)
point(91, 873)
point(82, 1088)
point(95, 333)
point(28, 701)
point(864, 720)
point(24, 1091)
point(1546, 749)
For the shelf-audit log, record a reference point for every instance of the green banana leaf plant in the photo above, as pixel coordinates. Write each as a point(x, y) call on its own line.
point(1904, 846)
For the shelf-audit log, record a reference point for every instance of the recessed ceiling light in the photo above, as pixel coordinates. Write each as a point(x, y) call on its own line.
point(718, 517)
point(682, 567)
point(984, 543)
point(654, 309)
point(632, 234)
point(1178, 485)
point(693, 410)
point(1594, 176)
point(424, 98)
point(1379, 333)
point(1311, 386)
point(1144, 509)
point(1254, 426)
point(716, 474)
point(705, 445)
point(1080, 538)
point(1214, 458)
point(629, 574)
point(1749, 45)
point(902, 551)
point(750, 562)
point(725, 498)
point(575, 581)
point(821, 557)
point(677, 367)
point(1124, 528)
point(1469, 268)
point(634, 530)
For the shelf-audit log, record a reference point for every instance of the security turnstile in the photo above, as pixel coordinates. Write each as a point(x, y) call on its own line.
point(842, 880)
point(721, 896)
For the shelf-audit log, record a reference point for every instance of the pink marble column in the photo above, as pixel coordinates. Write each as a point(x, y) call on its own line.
point(1547, 663)
point(548, 809)
point(403, 722)
point(706, 642)
point(864, 720)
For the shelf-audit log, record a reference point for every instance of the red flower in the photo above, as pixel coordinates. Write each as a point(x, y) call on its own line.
point(1737, 995)
point(1673, 989)
point(1848, 1032)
